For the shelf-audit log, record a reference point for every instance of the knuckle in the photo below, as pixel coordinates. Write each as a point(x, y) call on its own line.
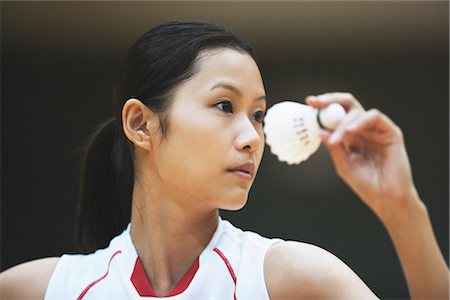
point(375, 112)
point(350, 96)
point(347, 95)
point(398, 131)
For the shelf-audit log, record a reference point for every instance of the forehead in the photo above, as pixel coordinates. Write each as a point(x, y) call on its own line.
point(229, 65)
point(226, 59)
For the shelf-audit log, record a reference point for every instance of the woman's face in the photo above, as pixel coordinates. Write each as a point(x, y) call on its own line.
point(215, 140)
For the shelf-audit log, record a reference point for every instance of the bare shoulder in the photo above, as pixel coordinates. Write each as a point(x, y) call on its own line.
point(28, 280)
point(295, 270)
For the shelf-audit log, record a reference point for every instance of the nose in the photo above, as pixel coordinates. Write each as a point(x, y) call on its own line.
point(248, 138)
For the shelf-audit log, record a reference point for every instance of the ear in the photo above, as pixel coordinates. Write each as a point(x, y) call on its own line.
point(139, 122)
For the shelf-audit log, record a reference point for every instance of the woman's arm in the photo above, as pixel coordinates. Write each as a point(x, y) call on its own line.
point(369, 154)
point(422, 261)
point(28, 280)
point(295, 270)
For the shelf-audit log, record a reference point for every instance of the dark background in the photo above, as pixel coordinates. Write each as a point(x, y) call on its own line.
point(59, 59)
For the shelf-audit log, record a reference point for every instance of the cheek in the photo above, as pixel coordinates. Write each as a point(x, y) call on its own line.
point(192, 153)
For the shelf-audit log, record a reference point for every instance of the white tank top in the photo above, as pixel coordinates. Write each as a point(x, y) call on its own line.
point(230, 267)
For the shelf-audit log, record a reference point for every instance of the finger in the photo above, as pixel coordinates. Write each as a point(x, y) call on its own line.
point(324, 135)
point(372, 124)
point(350, 118)
point(347, 100)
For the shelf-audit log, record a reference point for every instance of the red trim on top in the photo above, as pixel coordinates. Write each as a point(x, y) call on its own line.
point(144, 288)
point(140, 280)
point(229, 267)
point(83, 293)
point(184, 282)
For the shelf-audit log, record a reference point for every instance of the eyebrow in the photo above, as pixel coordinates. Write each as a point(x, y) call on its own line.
point(234, 90)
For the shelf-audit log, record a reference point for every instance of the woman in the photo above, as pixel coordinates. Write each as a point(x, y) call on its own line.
point(186, 141)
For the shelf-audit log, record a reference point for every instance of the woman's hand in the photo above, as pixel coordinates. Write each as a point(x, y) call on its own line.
point(369, 154)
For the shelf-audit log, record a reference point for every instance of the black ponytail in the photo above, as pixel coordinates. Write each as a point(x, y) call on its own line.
point(105, 188)
point(157, 63)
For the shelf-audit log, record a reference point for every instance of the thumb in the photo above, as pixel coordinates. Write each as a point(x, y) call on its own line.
point(335, 146)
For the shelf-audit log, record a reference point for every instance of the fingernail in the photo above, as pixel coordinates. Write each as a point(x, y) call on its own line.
point(336, 136)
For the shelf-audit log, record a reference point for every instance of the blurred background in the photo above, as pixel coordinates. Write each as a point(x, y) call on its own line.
point(59, 60)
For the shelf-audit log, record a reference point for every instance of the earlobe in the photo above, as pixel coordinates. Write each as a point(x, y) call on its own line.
point(138, 123)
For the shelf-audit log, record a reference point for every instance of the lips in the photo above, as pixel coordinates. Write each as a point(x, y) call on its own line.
point(246, 170)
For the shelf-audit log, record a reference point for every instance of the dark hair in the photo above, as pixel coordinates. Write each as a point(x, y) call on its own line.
point(157, 63)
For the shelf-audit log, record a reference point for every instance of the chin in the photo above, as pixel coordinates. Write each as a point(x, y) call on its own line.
point(235, 203)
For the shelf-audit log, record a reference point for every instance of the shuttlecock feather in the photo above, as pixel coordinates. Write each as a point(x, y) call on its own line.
point(292, 129)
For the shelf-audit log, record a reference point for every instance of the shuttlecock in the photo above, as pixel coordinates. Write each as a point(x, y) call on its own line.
point(292, 129)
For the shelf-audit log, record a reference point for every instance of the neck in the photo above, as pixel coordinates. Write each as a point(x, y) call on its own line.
point(168, 234)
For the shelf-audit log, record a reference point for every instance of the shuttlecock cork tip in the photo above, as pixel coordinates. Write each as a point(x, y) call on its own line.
point(331, 116)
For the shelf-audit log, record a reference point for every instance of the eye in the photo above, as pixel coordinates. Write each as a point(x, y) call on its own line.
point(259, 116)
point(225, 106)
